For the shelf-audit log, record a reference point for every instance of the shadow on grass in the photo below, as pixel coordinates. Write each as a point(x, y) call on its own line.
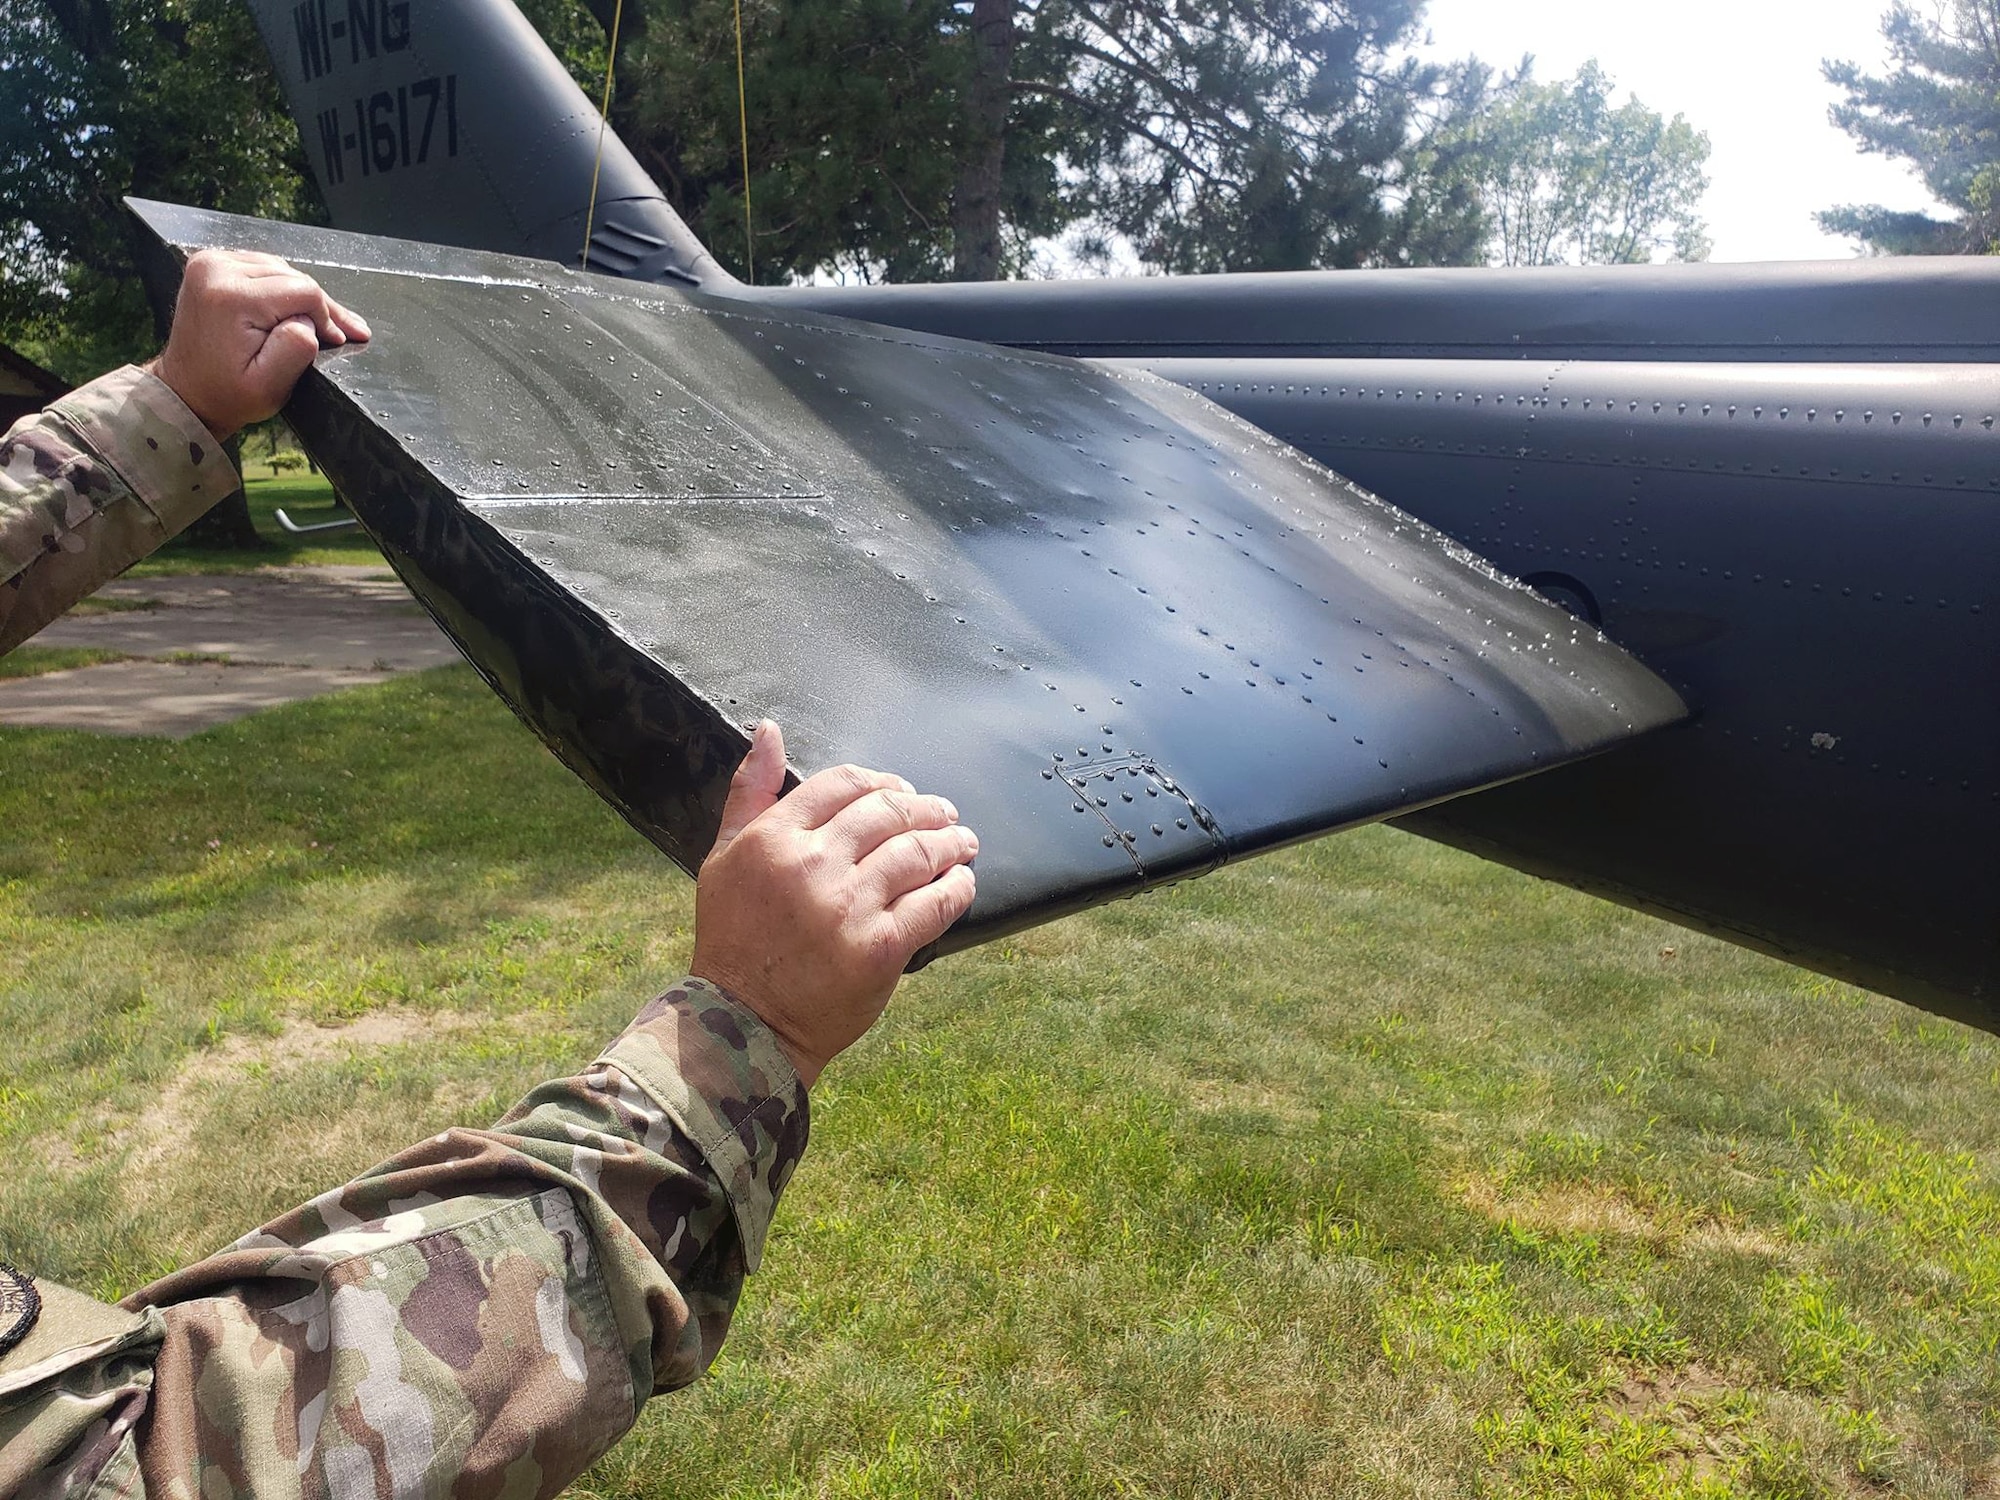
point(407, 844)
point(1362, 1168)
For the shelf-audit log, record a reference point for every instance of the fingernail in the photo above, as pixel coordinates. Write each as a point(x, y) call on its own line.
point(971, 843)
point(950, 811)
point(906, 786)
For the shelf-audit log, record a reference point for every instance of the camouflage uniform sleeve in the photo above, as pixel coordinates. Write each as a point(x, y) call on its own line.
point(484, 1314)
point(92, 485)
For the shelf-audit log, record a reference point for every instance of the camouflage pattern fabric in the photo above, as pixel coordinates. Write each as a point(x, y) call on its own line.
point(92, 485)
point(481, 1316)
point(70, 1394)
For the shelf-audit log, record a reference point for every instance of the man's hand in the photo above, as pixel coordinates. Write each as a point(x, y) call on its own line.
point(808, 909)
point(245, 328)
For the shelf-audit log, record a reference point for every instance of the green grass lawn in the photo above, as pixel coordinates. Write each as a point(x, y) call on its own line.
point(33, 661)
point(1363, 1169)
point(306, 498)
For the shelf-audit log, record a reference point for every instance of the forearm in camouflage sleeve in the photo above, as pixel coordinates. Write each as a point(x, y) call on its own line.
point(92, 485)
point(485, 1313)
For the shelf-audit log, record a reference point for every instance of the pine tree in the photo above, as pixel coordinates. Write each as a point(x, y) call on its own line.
point(859, 130)
point(1938, 107)
point(918, 139)
point(1240, 135)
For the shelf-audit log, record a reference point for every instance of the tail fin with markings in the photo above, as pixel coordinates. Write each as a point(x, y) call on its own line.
point(451, 121)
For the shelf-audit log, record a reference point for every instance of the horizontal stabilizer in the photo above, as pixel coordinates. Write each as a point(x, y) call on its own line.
point(1129, 634)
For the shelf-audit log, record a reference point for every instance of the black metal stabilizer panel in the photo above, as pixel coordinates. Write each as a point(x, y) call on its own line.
point(1130, 635)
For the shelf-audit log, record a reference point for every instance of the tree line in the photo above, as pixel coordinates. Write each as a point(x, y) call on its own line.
point(925, 139)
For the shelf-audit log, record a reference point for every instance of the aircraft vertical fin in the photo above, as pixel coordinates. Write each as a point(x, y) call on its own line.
point(457, 125)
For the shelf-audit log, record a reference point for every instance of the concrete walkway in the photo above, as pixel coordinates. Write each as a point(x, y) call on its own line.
point(211, 648)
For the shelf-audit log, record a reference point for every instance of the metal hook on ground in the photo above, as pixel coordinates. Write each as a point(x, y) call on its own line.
point(297, 530)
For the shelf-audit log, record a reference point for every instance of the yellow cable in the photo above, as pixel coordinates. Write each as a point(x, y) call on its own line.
point(603, 117)
point(743, 125)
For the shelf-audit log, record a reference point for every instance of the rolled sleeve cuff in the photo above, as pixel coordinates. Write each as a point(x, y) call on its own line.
point(717, 1070)
point(164, 454)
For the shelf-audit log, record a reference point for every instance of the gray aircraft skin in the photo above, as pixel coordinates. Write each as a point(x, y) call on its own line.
point(1130, 635)
point(1777, 486)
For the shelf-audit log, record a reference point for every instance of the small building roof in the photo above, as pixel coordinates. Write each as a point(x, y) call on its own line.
point(21, 377)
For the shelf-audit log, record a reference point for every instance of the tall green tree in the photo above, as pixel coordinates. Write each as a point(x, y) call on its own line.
point(979, 196)
point(1566, 177)
point(906, 139)
point(1938, 108)
point(858, 117)
point(1246, 135)
point(103, 98)
point(99, 99)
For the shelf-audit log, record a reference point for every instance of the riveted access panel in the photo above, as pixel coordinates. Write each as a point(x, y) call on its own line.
point(1130, 635)
point(1805, 551)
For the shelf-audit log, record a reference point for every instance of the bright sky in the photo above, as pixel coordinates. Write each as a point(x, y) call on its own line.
point(1745, 71)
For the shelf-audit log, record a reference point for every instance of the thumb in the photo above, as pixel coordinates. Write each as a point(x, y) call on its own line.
point(275, 368)
point(754, 789)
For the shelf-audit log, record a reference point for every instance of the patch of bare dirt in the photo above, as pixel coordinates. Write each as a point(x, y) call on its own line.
point(1739, 1239)
point(1214, 1096)
point(59, 1157)
point(1584, 1208)
point(165, 1128)
point(1568, 1208)
point(1682, 1401)
point(1663, 1393)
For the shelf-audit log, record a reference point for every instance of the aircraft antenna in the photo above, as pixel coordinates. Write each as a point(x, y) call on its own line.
point(743, 127)
point(603, 118)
